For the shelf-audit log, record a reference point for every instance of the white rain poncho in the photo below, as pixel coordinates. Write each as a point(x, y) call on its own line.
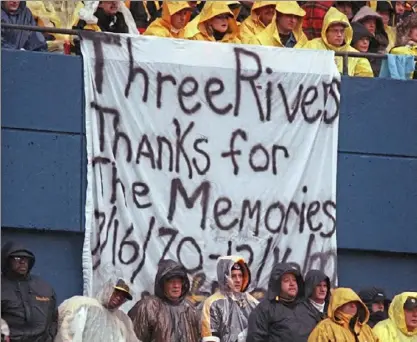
point(225, 313)
point(85, 319)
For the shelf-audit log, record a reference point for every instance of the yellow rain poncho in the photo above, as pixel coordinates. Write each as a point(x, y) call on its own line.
point(162, 27)
point(203, 32)
point(252, 25)
point(356, 66)
point(270, 35)
point(225, 313)
point(87, 319)
point(336, 327)
point(394, 328)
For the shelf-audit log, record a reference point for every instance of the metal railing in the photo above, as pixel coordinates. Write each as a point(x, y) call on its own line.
point(345, 55)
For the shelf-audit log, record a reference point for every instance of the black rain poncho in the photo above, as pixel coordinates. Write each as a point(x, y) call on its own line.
point(157, 319)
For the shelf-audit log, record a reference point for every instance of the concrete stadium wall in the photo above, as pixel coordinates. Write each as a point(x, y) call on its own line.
point(44, 175)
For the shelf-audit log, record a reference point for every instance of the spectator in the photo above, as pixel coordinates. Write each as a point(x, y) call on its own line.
point(262, 14)
point(386, 11)
point(97, 319)
point(347, 320)
point(28, 303)
point(167, 316)
point(345, 7)
point(402, 322)
point(216, 23)
point(175, 16)
point(374, 24)
point(317, 296)
point(377, 304)
point(400, 13)
point(16, 12)
point(280, 316)
point(245, 11)
point(105, 16)
point(286, 30)
point(361, 37)
point(407, 39)
point(337, 35)
point(313, 20)
point(225, 313)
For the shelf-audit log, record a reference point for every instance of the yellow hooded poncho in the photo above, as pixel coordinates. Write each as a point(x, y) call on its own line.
point(357, 66)
point(162, 27)
point(394, 328)
point(335, 328)
point(252, 25)
point(203, 32)
point(270, 35)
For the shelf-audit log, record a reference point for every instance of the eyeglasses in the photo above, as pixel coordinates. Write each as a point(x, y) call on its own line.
point(20, 259)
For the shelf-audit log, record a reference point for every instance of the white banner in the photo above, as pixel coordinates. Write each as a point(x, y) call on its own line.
point(197, 150)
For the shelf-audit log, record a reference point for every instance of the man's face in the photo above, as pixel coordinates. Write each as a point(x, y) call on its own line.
point(385, 17)
point(286, 23)
point(350, 308)
point(237, 279)
point(335, 34)
point(411, 319)
point(173, 288)
point(320, 292)
point(266, 14)
point(12, 6)
point(378, 306)
point(370, 25)
point(19, 265)
point(116, 300)
point(345, 8)
point(399, 7)
point(289, 286)
point(179, 19)
point(110, 7)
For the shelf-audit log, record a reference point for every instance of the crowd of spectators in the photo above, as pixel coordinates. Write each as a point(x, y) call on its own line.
point(380, 27)
point(295, 308)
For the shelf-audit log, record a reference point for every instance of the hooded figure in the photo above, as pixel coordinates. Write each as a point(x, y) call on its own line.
point(316, 282)
point(262, 14)
point(215, 23)
point(225, 313)
point(280, 316)
point(361, 37)
point(167, 316)
point(377, 303)
point(20, 39)
point(97, 319)
point(373, 22)
point(272, 35)
point(346, 322)
point(175, 16)
point(395, 328)
point(356, 66)
point(406, 43)
point(386, 10)
point(28, 304)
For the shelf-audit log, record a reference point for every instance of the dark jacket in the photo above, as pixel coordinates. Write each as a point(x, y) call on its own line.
point(28, 304)
point(20, 39)
point(157, 319)
point(375, 295)
point(276, 320)
point(314, 316)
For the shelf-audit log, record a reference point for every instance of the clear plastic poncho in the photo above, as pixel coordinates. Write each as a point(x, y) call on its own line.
point(85, 319)
point(225, 313)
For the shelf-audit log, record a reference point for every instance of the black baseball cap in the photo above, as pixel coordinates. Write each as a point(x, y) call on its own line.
point(410, 303)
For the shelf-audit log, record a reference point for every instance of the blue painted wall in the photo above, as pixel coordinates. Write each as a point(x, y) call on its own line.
point(43, 173)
